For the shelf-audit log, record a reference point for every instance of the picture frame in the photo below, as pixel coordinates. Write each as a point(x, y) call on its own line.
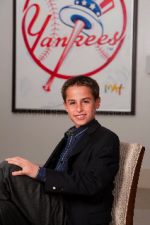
point(50, 46)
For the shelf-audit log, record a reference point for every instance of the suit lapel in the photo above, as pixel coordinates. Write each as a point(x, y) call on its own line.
point(81, 144)
point(55, 153)
point(85, 139)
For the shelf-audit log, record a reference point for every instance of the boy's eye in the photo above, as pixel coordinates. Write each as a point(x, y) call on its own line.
point(85, 101)
point(72, 103)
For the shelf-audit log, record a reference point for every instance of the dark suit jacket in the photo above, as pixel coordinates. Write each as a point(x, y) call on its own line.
point(87, 182)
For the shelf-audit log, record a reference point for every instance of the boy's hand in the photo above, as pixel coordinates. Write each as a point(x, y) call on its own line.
point(28, 168)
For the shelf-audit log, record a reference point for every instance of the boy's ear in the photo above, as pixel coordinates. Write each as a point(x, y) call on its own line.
point(65, 106)
point(98, 101)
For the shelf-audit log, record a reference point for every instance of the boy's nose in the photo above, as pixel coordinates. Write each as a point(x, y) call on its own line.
point(79, 108)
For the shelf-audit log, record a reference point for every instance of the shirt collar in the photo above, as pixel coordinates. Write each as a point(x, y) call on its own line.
point(75, 131)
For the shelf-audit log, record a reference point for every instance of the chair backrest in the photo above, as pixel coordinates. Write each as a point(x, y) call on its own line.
point(126, 181)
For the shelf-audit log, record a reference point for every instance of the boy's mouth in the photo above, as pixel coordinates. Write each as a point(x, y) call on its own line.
point(80, 116)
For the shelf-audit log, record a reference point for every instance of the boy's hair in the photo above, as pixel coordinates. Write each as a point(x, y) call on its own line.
point(81, 81)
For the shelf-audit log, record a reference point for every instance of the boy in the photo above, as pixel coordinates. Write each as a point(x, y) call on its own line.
point(75, 185)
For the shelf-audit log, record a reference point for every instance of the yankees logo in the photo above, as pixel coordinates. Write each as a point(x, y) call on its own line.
point(73, 37)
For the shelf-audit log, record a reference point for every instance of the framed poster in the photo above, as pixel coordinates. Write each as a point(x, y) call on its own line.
point(55, 40)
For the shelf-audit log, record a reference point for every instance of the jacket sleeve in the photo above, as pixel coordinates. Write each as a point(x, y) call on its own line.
point(90, 178)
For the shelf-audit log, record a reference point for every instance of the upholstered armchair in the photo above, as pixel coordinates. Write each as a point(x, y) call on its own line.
point(126, 181)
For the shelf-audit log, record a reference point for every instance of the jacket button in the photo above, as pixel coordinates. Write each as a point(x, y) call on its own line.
point(54, 188)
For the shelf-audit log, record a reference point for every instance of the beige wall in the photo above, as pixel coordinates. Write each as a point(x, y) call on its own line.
point(35, 136)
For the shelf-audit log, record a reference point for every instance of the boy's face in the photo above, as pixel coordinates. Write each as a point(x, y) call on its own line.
point(80, 105)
